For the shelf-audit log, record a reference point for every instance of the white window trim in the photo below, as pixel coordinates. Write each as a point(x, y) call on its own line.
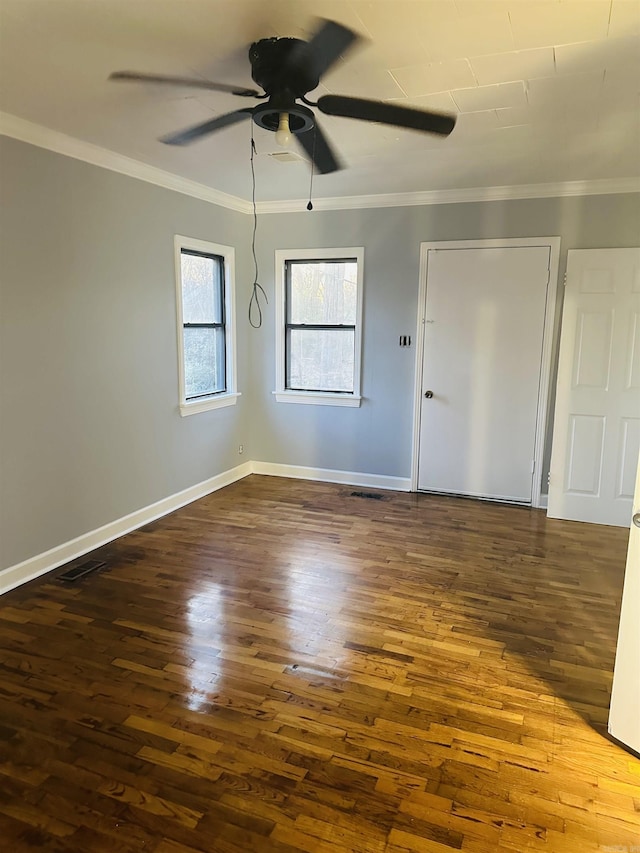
point(230, 396)
point(316, 398)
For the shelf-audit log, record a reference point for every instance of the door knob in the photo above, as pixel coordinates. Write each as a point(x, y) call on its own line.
point(428, 394)
point(636, 519)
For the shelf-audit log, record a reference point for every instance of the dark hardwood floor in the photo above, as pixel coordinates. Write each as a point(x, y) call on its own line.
point(284, 667)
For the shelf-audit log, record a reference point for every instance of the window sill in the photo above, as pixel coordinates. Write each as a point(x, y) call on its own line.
point(318, 398)
point(220, 401)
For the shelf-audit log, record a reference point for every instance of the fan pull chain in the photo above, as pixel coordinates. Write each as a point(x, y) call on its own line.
point(313, 160)
point(257, 289)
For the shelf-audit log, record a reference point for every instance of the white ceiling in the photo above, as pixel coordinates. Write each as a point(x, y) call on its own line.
point(546, 91)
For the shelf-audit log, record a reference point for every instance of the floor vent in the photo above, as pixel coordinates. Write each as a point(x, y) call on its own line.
point(77, 572)
point(372, 496)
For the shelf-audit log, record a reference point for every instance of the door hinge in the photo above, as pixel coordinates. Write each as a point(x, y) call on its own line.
point(564, 280)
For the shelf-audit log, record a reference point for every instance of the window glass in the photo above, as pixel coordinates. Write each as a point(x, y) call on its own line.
point(201, 288)
point(321, 359)
point(323, 292)
point(204, 361)
point(203, 324)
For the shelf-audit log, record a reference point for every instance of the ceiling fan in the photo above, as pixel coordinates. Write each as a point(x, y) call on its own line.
point(287, 69)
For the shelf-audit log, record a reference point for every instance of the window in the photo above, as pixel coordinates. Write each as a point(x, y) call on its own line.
point(319, 325)
point(206, 339)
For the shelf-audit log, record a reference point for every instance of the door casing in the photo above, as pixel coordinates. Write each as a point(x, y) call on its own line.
point(553, 243)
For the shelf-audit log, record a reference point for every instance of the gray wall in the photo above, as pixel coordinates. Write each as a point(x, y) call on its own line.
point(376, 438)
point(89, 423)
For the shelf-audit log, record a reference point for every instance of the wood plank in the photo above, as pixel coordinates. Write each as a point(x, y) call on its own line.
point(282, 667)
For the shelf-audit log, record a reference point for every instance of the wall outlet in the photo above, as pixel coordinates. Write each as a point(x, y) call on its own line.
point(241, 449)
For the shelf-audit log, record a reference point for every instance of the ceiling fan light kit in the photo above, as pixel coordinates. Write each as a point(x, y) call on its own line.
point(296, 118)
point(283, 133)
point(287, 69)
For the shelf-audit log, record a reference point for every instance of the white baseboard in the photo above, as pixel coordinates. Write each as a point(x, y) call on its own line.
point(326, 475)
point(39, 565)
point(42, 563)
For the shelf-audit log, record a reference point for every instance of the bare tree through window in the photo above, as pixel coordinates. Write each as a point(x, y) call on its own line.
point(321, 304)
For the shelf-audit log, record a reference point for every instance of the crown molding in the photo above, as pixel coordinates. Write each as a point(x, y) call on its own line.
point(43, 137)
point(561, 189)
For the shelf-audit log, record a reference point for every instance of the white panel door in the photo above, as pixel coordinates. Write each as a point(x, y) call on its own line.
point(596, 435)
point(624, 714)
point(484, 329)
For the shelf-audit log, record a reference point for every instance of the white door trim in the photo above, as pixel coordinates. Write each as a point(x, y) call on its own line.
point(553, 243)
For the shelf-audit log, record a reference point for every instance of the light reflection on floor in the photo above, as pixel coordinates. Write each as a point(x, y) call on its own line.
point(309, 633)
point(316, 589)
point(205, 615)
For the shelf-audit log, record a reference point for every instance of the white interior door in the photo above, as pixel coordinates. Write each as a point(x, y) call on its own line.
point(481, 371)
point(624, 714)
point(596, 435)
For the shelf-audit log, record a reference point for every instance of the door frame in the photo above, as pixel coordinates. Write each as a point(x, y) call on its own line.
point(553, 244)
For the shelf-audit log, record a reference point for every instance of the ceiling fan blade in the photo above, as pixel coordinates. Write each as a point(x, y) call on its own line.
point(328, 43)
point(316, 144)
point(138, 77)
point(386, 113)
point(184, 137)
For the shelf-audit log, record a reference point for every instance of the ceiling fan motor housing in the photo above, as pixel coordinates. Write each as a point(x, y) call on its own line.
point(279, 64)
